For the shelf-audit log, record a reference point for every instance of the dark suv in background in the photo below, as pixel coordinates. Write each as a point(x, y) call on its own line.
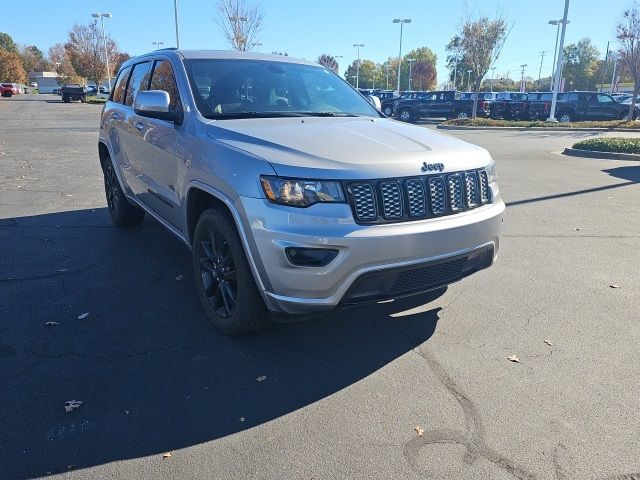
point(580, 106)
point(510, 106)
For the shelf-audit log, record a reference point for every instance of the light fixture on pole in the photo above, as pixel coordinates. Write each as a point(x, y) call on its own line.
point(401, 21)
point(523, 86)
point(102, 16)
point(157, 44)
point(558, 70)
point(410, 60)
point(358, 45)
point(469, 80)
point(257, 45)
point(175, 16)
point(556, 23)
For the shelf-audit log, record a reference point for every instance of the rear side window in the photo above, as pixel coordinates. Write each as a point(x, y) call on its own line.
point(121, 85)
point(164, 79)
point(138, 82)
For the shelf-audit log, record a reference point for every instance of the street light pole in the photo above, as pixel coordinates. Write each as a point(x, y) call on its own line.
point(493, 73)
point(257, 45)
point(338, 61)
point(358, 45)
point(469, 80)
point(410, 60)
point(455, 71)
point(615, 67)
point(523, 86)
point(175, 15)
point(102, 16)
point(386, 65)
point(401, 21)
point(558, 74)
point(555, 49)
point(157, 44)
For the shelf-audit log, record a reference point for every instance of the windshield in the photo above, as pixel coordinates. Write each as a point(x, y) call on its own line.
point(227, 89)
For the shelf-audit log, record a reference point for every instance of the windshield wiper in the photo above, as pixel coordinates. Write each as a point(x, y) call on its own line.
point(236, 115)
point(328, 114)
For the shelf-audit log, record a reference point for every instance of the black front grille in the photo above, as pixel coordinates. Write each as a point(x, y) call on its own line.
point(405, 199)
point(428, 276)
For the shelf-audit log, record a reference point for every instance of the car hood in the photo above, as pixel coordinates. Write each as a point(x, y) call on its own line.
point(346, 147)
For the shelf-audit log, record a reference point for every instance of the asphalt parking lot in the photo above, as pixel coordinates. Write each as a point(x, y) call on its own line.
point(342, 396)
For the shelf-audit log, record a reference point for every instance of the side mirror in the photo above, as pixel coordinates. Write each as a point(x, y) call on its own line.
point(375, 101)
point(155, 104)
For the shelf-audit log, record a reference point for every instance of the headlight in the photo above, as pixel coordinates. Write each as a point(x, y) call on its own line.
point(492, 177)
point(297, 192)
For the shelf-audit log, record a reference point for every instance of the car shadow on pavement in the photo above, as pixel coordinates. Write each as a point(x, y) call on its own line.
point(111, 318)
point(630, 173)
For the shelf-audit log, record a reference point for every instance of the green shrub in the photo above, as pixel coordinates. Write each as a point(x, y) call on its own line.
point(488, 122)
point(610, 144)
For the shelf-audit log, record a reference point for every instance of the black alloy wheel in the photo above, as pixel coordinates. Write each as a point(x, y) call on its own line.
point(218, 273)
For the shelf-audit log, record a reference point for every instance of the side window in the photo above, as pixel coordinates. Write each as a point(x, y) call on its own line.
point(164, 79)
point(604, 99)
point(138, 81)
point(570, 97)
point(121, 85)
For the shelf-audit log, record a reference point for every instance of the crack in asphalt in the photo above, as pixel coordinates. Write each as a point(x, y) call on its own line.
point(48, 275)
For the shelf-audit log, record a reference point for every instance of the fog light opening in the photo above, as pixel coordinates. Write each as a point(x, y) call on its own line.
point(310, 257)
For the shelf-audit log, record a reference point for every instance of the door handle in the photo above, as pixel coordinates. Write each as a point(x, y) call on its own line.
point(140, 126)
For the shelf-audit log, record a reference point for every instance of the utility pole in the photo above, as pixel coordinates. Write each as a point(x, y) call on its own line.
point(358, 45)
point(558, 74)
point(523, 86)
point(604, 68)
point(410, 60)
point(540, 71)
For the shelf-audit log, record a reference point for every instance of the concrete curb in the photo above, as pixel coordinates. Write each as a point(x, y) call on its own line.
point(576, 152)
point(537, 129)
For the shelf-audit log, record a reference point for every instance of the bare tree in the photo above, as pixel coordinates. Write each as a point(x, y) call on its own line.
point(628, 35)
point(328, 61)
point(61, 63)
point(240, 22)
point(86, 51)
point(481, 41)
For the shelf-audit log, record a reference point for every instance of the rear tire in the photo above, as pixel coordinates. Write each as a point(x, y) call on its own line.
point(388, 111)
point(123, 213)
point(565, 117)
point(224, 280)
point(463, 114)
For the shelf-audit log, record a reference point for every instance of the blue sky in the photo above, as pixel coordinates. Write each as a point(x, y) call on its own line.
point(306, 28)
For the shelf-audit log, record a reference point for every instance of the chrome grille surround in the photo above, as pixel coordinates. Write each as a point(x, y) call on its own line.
point(414, 198)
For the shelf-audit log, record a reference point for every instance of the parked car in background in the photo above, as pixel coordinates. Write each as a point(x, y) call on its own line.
point(34, 84)
point(509, 106)
point(74, 92)
point(580, 106)
point(9, 89)
point(440, 104)
point(293, 200)
point(388, 104)
point(622, 97)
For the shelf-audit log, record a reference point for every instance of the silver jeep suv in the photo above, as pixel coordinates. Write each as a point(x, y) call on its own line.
point(293, 192)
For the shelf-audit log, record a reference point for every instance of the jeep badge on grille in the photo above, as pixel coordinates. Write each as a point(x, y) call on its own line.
point(432, 167)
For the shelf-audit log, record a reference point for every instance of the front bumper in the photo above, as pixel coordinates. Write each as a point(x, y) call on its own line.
point(363, 249)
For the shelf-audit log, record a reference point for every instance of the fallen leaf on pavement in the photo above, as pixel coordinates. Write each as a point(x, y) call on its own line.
point(513, 358)
point(614, 285)
point(84, 315)
point(166, 455)
point(576, 229)
point(548, 342)
point(51, 324)
point(261, 378)
point(242, 419)
point(72, 405)
point(419, 430)
point(179, 277)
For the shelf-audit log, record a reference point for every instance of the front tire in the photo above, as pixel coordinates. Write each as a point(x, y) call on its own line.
point(405, 115)
point(565, 117)
point(463, 114)
point(388, 111)
point(123, 213)
point(224, 280)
